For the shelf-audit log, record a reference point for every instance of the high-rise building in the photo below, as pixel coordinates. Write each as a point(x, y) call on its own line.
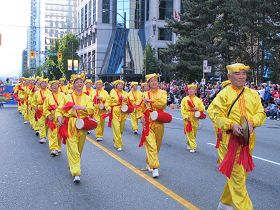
point(50, 19)
point(24, 67)
point(112, 47)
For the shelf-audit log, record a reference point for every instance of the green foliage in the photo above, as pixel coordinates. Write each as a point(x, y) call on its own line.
point(151, 64)
point(224, 32)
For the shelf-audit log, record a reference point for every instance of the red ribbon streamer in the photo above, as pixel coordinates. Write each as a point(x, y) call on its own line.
point(63, 130)
point(146, 128)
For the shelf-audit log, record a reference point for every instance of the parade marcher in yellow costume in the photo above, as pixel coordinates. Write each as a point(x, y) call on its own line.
point(232, 104)
point(118, 97)
point(75, 105)
point(88, 90)
point(135, 97)
point(31, 111)
point(17, 92)
point(154, 99)
point(99, 100)
point(62, 87)
point(39, 98)
point(189, 105)
point(24, 97)
point(50, 105)
point(144, 87)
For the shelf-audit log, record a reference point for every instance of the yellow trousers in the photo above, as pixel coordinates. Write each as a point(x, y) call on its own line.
point(235, 192)
point(99, 131)
point(153, 144)
point(41, 123)
point(54, 141)
point(74, 147)
point(134, 121)
point(31, 114)
point(192, 138)
point(25, 112)
point(118, 128)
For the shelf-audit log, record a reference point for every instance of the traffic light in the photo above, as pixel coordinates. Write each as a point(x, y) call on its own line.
point(59, 56)
point(32, 54)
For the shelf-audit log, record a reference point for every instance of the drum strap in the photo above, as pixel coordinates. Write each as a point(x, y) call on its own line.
point(77, 113)
point(235, 102)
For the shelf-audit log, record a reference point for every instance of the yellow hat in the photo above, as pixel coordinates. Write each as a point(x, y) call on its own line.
point(237, 67)
point(226, 83)
point(88, 81)
point(143, 84)
point(78, 76)
point(149, 76)
point(98, 81)
point(192, 86)
point(44, 80)
point(54, 82)
point(118, 82)
point(133, 83)
point(62, 79)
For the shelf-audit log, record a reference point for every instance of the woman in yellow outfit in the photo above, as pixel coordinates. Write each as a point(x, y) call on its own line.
point(189, 105)
point(232, 103)
point(99, 100)
point(135, 97)
point(118, 97)
point(17, 93)
point(39, 98)
point(31, 111)
point(24, 97)
point(81, 107)
point(62, 87)
point(50, 105)
point(88, 90)
point(154, 99)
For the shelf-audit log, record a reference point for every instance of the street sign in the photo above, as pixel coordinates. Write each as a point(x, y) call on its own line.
point(76, 65)
point(205, 63)
point(203, 81)
point(69, 65)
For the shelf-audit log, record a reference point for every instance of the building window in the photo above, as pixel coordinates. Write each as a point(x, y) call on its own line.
point(86, 16)
point(82, 19)
point(94, 11)
point(93, 61)
point(147, 9)
point(89, 13)
point(106, 11)
point(165, 9)
point(164, 34)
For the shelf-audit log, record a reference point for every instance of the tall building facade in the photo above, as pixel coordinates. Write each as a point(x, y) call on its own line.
point(50, 19)
point(110, 46)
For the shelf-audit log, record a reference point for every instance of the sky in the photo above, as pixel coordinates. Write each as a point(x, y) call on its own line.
point(13, 39)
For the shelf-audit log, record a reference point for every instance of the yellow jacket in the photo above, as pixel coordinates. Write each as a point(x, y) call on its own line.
point(39, 97)
point(52, 99)
point(158, 100)
point(136, 98)
point(104, 96)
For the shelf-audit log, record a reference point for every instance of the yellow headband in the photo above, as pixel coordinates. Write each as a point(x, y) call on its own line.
point(237, 67)
point(98, 81)
point(192, 86)
point(150, 76)
point(133, 83)
point(44, 80)
point(54, 82)
point(79, 76)
point(226, 83)
point(88, 81)
point(62, 79)
point(118, 82)
point(143, 84)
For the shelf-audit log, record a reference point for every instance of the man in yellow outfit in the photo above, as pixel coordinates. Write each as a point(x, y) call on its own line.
point(75, 105)
point(154, 99)
point(233, 103)
point(50, 105)
point(99, 100)
point(62, 86)
point(39, 98)
point(135, 97)
point(189, 105)
point(118, 97)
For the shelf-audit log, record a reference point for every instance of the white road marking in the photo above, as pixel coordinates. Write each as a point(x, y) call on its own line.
point(269, 161)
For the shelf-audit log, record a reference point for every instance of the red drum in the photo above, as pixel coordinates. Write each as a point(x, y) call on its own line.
point(161, 116)
point(101, 106)
point(127, 108)
point(200, 115)
point(86, 124)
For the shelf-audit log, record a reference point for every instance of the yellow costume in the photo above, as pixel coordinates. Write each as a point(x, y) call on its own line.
point(114, 104)
point(76, 139)
point(187, 112)
point(98, 111)
point(135, 97)
point(39, 98)
point(249, 104)
point(50, 105)
point(153, 140)
point(62, 87)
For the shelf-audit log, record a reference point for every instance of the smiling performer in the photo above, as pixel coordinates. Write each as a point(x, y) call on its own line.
point(192, 109)
point(99, 100)
point(118, 98)
point(136, 100)
point(76, 105)
point(239, 111)
point(50, 105)
point(39, 98)
point(154, 100)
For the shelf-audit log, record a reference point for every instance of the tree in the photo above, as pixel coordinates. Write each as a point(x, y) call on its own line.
point(150, 61)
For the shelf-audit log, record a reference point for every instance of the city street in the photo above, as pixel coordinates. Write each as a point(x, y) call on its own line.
point(32, 179)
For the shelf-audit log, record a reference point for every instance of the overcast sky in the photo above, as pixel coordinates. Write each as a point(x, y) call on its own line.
point(14, 39)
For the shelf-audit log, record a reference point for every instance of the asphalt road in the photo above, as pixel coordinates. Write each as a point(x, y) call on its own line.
point(32, 179)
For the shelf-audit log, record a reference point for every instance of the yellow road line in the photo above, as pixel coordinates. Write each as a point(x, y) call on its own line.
point(158, 185)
